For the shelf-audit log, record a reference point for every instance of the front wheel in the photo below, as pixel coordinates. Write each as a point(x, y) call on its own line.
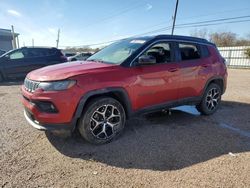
point(103, 119)
point(210, 100)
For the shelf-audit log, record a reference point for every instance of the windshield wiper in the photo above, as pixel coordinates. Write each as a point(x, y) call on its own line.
point(97, 60)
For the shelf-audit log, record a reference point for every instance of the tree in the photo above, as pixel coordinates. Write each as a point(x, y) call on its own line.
point(201, 33)
point(247, 52)
point(81, 49)
point(223, 38)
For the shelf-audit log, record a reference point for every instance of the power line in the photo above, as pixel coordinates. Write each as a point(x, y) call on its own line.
point(184, 25)
point(199, 16)
point(123, 11)
point(192, 23)
point(202, 25)
point(216, 20)
point(179, 27)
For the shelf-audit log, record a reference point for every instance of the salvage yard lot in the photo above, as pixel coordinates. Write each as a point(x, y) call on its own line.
point(157, 150)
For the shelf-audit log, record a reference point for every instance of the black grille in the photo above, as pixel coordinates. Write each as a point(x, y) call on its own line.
point(30, 85)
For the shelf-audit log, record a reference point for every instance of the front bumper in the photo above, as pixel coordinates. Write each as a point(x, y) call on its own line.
point(34, 123)
point(65, 101)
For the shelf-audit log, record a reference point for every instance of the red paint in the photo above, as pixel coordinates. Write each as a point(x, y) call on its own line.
point(146, 85)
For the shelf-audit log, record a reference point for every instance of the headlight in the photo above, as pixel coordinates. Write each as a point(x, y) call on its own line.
point(57, 85)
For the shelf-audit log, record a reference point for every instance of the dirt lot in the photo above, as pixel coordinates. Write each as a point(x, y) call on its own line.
point(158, 150)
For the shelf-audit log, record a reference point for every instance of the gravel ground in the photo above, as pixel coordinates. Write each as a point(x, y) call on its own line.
point(183, 149)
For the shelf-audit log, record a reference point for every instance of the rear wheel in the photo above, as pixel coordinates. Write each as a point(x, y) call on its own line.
point(103, 119)
point(210, 100)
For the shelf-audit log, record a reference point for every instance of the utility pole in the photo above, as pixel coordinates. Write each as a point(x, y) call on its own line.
point(13, 37)
point(17, 42)
point(175, 13)
point(58, 36)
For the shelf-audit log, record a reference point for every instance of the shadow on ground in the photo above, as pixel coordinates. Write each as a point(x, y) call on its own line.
point(162, 142)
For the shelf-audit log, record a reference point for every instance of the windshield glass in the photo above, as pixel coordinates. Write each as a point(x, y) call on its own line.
point(117, 52)
point(6, 53)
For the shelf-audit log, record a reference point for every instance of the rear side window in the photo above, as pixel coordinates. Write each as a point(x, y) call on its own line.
point(204, 51)
point(48, 52)
point(52, 51)
point(33, 52)
point(189, 51)
point(38, 52)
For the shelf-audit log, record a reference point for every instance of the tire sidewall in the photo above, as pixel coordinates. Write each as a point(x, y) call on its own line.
point(203, 106)
point(84, 124)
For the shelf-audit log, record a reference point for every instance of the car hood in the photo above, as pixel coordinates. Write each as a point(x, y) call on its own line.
point(65, 70)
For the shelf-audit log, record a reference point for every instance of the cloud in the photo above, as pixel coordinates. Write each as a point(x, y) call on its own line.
point(14, 13)
point(149, 7)
point(52, 30)
point(59, 15)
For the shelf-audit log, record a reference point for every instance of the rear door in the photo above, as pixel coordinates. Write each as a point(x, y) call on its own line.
point(36, 59)
point(193, 69)
point(41, 57)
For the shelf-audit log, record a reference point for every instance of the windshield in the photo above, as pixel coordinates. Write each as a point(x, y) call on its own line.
point(117, 52)
point(6, 53)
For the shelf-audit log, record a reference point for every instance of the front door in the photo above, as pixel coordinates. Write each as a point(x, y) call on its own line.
point(159, 82)
point(16, 64)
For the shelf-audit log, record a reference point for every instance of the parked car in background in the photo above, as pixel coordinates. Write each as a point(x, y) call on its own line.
point(17, 63)
point(80, 57)
point(69, 54)
point(132, 76)
point(2, 52)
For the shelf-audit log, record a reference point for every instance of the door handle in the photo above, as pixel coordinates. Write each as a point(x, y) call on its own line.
point(172, 69)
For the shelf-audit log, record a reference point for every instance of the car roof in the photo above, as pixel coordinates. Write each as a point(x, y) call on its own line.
point(174, 37)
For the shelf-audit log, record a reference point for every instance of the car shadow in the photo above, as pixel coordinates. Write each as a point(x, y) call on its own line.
point(160, 141)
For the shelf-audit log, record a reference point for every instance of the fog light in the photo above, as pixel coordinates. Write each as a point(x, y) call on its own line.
point(46, 106)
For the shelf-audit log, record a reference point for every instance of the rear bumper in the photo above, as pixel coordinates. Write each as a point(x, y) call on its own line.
point(44, 127)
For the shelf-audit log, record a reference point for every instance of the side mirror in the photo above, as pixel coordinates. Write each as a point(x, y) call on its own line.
point(146, 60)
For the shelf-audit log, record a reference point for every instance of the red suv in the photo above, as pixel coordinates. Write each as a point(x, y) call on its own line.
point(129, 77)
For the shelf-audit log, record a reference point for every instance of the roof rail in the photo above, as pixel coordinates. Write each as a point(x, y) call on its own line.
point(180, 37)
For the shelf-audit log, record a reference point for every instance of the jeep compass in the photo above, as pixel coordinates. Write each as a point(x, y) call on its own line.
point(128, 77)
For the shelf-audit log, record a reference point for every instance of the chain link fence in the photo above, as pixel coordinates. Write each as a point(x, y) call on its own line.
point(235, 56)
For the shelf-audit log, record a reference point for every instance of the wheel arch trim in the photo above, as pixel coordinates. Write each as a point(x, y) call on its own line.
point(210, 80)
point(110, 90)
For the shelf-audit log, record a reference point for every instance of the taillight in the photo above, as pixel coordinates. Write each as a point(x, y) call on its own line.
point(225, 61)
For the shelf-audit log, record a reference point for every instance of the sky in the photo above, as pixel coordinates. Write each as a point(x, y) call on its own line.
point(88, 22)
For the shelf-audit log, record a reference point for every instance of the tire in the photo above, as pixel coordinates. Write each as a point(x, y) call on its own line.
point(103, 120)
point(210, 100)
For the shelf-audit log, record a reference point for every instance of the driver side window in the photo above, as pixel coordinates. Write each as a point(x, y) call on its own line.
point(161, 52)
point(17, 55)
